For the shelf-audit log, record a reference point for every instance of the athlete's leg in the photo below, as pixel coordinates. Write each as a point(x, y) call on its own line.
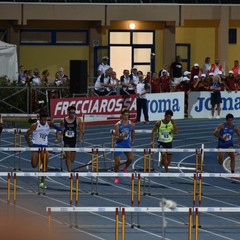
point(232, 161)
point(117, 162)
point(34, 159)
point(129, 159)
point(220, 158)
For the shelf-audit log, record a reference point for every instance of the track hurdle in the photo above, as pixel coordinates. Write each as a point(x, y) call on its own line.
point(17, 143)
point(8, 175)
point(43, 174)
point(117, 210)
point(212, 210)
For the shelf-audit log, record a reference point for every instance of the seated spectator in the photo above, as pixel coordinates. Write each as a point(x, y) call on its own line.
point(184, 86)
point(195, 84)
point(102, 83)
point(155, 84)
point(103, 66)
point(22, 76)
point(236, 69)
point(148, 77)
point(35, 80)
point(196, 71)
point(230, 82)
point(114, 82)
point(44, 79)
point(164, 68)
point(204, 84)
point(206, 66)
point(134, 76)
point(63, 76)
point(127, 83)
point(165, 82)
point(58, 79)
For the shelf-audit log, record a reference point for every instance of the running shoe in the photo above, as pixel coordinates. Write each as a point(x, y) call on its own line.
point(42, 185)
point(116, 180)
point(125, 170)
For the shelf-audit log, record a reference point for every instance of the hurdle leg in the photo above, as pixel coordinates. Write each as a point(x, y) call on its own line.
point(116, 224)
point(19, 153)
point(14, 153)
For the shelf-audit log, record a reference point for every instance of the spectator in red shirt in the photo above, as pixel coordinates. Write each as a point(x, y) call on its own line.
point(184, 86)
point(155, 84)
point(165, 81)
point(231, 82)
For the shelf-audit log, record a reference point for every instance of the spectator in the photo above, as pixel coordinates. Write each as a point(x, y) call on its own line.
point(231, 82)
point(141, 95)
point(176, 72)
point(102, 83)
point(63, 76)
point(216, 68)
point(113, 84)
point(195, 71)
point(127, 83)
point(44, 79)
point(148, 78)
point(206, 66)
point(58, 80)
point(205, 85)
point(35, 80)
point(165, 81)
point(155, 84)
point(22, 76)
point(163, 68)
point(103, 66)
point(134, 76)
point(236, 69)
point(184, 86)
point(216, 96)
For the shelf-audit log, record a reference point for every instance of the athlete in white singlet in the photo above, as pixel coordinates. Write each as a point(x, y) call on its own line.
point(37, 136)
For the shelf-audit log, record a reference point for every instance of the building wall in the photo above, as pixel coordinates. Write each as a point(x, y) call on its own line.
point(51, 57)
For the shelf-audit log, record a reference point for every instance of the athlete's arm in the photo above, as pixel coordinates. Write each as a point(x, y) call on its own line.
point(29, 133)
point(157, 125)
point(118, 136)
point(57, 127)
point(133, 133)
point(175, 129)
point(237, 131)
point(79, 128)
point(216, 132)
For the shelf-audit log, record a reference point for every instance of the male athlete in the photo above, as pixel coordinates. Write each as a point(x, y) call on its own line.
point(71, 134)
point(37, 136)
point(224, 132)
point(166, 129)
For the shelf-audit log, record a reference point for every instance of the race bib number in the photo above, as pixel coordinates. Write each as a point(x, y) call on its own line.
point(227, 137)
point(165, 135)
point(42, 136)
point(69, 134)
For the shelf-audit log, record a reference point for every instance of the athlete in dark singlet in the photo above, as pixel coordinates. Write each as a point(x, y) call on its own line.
point(71, 134)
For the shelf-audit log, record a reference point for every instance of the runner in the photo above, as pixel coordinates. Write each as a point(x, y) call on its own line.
point(124, 135)
point(166, 129)
point(224, 132)
point(37, 136)
point(71, 134)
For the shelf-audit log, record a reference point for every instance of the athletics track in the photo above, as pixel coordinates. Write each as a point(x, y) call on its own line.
point(27, 216)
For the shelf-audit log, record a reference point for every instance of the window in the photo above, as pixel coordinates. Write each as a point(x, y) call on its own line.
point(54, 37)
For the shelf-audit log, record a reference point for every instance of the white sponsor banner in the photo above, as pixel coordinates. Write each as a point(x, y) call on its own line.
point(159, 103)
point(199, 104)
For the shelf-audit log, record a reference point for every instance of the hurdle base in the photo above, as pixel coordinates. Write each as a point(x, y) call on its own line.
point(199, 226)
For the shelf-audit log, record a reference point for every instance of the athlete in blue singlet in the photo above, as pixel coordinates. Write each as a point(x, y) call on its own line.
point(224, 132)
point(124, 135)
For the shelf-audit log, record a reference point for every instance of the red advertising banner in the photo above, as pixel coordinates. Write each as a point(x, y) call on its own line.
point(105, 109)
